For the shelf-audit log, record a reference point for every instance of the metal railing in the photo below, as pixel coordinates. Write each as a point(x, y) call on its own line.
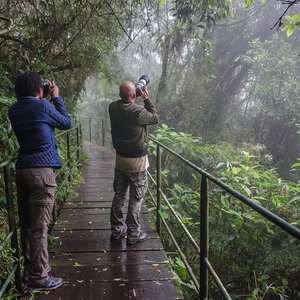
point(205, 265)
point(73, 142)
point(12, 237)
point(96, 130)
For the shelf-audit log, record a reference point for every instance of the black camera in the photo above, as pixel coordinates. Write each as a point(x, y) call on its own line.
point(141, 84)
point(46, 88)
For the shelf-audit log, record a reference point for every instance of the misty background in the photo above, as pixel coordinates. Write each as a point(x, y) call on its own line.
point(235, 80)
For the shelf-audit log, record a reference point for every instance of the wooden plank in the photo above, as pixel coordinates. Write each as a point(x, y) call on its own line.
point(96, 245)
point(112, 272)
point(79, 212)
point(147, 290)
point(90, 222)
point(87, 204)
point(108, 258)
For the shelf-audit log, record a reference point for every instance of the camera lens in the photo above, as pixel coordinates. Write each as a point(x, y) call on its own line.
point(141, 84)
point(46, 88)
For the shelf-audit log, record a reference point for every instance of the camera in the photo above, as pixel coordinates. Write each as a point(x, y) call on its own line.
point(46, 88)
point(141, 84)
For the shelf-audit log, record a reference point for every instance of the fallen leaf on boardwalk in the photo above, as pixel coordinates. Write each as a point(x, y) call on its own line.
point(134, 293)
point(96, 269)
point(122, 284)
point(149, 261)
point(98, 258)
point(155, 265)
point(80, 281)
point(157, 282)
point(117, 279)
point(90, 222)
point(159, 271)
point(104, 251)
point(104, 270)
point(77, 264)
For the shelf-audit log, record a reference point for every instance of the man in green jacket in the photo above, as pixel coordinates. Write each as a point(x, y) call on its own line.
point(129, 135)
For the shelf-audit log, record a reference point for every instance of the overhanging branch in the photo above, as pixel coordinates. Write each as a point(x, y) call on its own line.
point(10, 24)
point(289, 4)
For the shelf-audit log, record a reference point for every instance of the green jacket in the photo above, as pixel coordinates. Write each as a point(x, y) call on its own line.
point(128, 126)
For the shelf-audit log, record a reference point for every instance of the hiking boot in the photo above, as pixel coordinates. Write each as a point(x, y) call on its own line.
point(118, 237)
point(141, 238)
point(51, 283)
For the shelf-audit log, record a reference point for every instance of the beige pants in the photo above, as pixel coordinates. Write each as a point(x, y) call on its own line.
point(35, 189)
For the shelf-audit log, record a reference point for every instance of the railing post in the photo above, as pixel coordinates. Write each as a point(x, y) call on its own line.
point(77, 144)
point(12, 224)
point(69, 155)
point(103, 132)
point(81, 138)
point(203, 239)
point(90, 129)
point(158, 189)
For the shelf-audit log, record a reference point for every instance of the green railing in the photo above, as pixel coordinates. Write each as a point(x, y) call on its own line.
point(72, 140)
point(205, 265)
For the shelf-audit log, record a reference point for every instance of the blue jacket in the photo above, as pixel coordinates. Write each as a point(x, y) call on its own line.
point(34, 121)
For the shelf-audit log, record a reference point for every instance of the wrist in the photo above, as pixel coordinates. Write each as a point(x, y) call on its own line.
point(54, 97)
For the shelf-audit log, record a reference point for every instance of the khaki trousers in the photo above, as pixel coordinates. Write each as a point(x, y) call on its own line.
point(35, 190)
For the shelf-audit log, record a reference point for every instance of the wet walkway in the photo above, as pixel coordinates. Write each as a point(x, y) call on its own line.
point(81, 251)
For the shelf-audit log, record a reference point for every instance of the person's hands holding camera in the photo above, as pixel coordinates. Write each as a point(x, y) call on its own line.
point(144, 93)
point(54, 90)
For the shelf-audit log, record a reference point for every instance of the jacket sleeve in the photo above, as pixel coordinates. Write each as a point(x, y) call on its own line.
point(148, 114)
point(58, 116)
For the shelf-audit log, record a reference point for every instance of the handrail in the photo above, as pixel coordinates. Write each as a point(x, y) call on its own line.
point(205, 265)
point(258, 208)
point(8, 180)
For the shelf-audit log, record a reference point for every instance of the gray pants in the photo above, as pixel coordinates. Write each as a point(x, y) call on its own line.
point(35, 189)
point(135, 186)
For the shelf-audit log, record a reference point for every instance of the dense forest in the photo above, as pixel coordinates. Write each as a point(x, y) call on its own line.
point(225, 80)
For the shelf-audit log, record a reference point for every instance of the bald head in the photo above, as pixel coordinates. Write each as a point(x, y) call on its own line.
point(127, 91)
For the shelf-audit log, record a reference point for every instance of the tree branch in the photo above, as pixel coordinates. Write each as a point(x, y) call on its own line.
point(289, 4)
point(118, 20)
point(14, 39)
point(10, 24)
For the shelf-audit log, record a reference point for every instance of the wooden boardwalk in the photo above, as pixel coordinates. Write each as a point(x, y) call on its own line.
point(91, 265)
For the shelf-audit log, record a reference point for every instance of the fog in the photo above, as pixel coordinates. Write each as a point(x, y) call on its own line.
point(218, 82)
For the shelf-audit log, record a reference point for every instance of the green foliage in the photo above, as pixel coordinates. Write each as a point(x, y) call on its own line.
point(8, 142)
point(253, 257)
point(293, 23)
point(271, 96)
point(207, 11)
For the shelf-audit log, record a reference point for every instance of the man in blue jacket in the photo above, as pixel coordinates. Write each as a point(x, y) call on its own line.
point(34, 120)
